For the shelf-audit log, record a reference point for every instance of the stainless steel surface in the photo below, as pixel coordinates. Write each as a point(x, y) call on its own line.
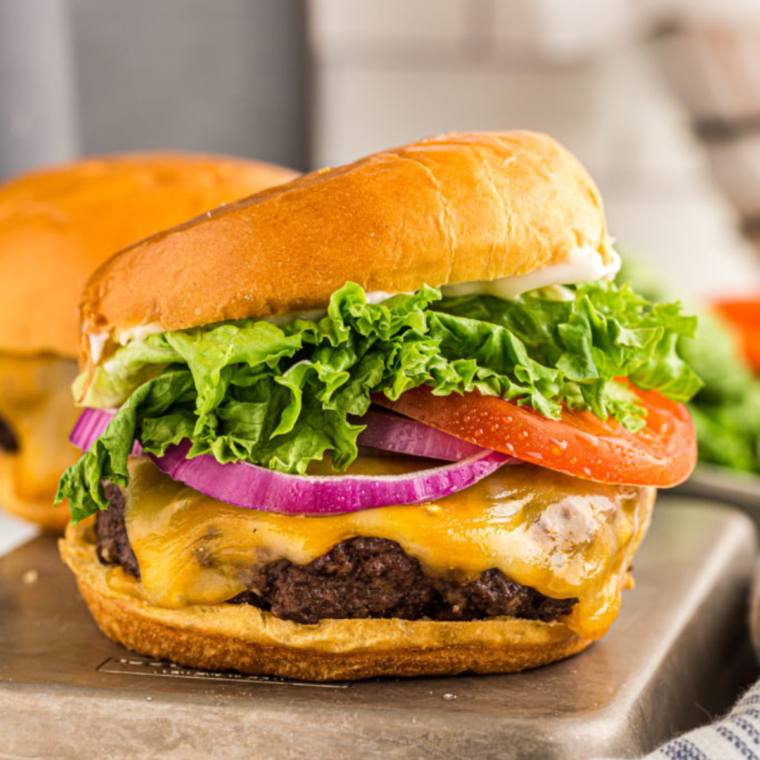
point(740, 489)
point(674, 656)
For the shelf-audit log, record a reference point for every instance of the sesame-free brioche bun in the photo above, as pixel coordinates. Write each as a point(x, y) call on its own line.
point(56, 226)
point(59, 224)
point(456, 208)
point(247, 639)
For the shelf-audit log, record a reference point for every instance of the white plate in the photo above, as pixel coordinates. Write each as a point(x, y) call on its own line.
point(14, 532)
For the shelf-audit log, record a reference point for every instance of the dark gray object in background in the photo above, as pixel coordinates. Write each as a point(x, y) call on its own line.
point(227, 76)
point(740, 489)
point(103, 76)
point(38, 117)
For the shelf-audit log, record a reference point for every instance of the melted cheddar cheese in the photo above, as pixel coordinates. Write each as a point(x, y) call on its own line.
point(563, 536)
point(35, 399)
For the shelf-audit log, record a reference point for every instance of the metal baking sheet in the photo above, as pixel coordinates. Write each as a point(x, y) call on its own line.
point(740, 489)
point(676, 655)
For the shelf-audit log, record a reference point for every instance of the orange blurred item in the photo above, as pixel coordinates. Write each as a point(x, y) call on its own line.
point(743, 314)
point(57, 225)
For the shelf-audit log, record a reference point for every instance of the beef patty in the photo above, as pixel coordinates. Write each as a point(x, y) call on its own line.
point(361, 577)
point(113, 543)
point(8, 440)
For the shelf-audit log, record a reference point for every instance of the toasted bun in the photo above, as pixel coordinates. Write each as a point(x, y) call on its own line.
point(244, 638)
point(456, 208)
point(58, 225)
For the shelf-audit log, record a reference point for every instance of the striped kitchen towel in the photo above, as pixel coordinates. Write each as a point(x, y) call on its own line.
point(736, 737)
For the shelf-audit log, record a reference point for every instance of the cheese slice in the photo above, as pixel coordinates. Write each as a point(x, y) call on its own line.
point(563, 536)
point(35, 398)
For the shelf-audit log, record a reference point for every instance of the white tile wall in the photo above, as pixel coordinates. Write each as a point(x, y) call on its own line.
point(347, 22)
point(737, 164)
point(692, 241)
point(651, 141)
point(562, 30)
point(364, 109)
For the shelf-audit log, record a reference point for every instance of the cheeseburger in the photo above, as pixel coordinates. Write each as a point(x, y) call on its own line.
point(390, 419)
point(56, 226)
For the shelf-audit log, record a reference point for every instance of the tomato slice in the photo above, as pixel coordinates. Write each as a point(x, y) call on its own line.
point(579, 443)
point(744, 317)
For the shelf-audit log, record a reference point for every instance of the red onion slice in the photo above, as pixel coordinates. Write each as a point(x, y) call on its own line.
point(252, 487)
point(92, 423)
point(392, 432)
point(386, 431)
point(247, 485)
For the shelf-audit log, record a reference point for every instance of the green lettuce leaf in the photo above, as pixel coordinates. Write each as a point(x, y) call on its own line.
point(604, 332)
point(281, 397)
point(726, 410)
point(81, 484)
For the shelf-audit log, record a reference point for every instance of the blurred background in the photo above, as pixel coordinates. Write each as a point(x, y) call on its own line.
point(660, 99)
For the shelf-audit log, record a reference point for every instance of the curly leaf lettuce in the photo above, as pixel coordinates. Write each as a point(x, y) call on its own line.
point(281, 397)
point(726, 410)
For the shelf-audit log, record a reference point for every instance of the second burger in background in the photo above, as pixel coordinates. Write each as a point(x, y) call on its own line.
point(56, 226)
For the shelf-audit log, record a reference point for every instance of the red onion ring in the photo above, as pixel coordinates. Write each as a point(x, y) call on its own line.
point(386, 431)
point(391, 432)
point(92, 423)
point(252, 487)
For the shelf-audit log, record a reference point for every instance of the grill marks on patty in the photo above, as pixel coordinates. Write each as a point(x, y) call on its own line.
point(361, 577)
point(8, 440)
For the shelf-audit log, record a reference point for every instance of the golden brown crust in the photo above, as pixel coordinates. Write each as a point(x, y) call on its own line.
point(455, 208)
point(57, 225)
point(38, 511)
point(244, 638)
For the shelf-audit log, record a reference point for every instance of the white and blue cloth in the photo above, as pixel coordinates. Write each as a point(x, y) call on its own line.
point(735, 737)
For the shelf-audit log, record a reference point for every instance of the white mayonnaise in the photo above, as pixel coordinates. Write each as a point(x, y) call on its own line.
point(97, 342)
point(581, 265)
point(139, 333)
point(378, 296)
